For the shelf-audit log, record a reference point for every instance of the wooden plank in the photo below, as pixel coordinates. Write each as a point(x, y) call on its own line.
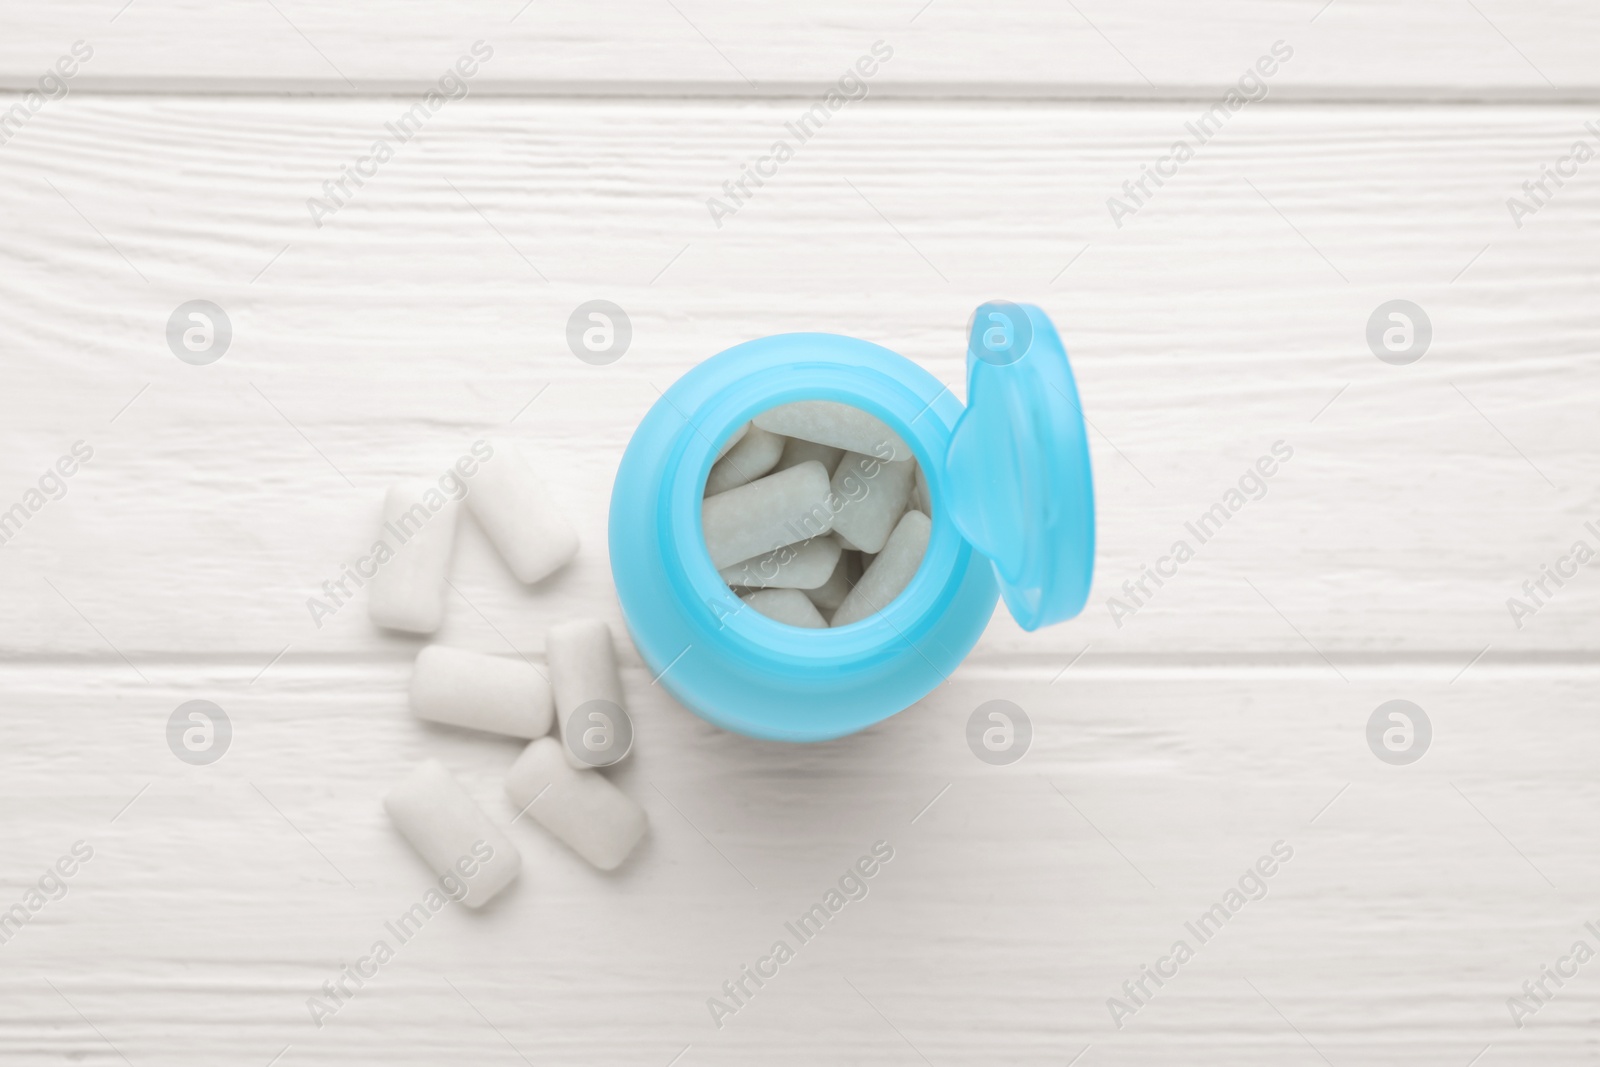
point(1416, 901)
point(1348, 49)
point(1228, 314)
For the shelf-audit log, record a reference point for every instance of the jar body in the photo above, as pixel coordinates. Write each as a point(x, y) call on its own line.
point(722, 659)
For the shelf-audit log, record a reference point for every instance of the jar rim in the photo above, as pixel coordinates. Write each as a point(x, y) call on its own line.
point(751, 674)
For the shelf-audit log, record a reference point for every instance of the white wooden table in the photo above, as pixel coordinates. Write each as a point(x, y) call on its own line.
point(1229, 312)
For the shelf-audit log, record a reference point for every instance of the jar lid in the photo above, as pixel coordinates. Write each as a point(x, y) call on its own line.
point(1017, 475)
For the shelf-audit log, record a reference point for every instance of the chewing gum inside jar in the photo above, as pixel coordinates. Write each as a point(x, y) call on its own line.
point(816, 514)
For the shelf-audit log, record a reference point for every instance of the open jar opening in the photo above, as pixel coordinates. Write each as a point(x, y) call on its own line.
point(816, 514)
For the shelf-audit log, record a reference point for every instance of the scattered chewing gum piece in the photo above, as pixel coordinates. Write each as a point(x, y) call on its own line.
point(828, 422)
point(786, 605)
point(459, 687)
point(734, 438)
point(890, 572)
point(770, 512)
point(583, 667)
point(870, 496)
point(803, 566)
point(407, 593)
point(797, 451)
point(448, 830)
point(520, 516)
point(831, 593)
point(581, 808)
point(752, 457)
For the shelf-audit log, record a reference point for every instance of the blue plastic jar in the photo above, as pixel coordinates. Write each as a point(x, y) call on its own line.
point(1013, 514)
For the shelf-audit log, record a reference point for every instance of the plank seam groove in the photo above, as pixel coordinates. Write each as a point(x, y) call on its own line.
point(1052, 661)
point(908, 92)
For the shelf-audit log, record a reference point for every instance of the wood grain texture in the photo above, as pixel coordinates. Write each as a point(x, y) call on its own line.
point(1015, 905)
point(1169, 753)
point(1226, 315)
point(1349, 49)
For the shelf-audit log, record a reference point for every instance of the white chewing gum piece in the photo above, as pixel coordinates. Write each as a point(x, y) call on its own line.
point(769, 513)
point(870, 496)
point(890, 572)
point(497, 694)
point(802, 566)
point(581, 808)
point(828, 422)
point(734, 438)
point(583, 667)
point(407, 593)
point(923, 497)
point(797, 451)
point(788, 606)
point(524, 522)
point(746, 461)
point(830, 594)
point(448, 830)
